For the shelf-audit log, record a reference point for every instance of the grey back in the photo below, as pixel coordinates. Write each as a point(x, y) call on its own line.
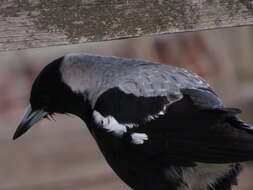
point(96, 74)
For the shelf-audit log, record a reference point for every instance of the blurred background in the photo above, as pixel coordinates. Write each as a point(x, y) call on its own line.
point(62, 155)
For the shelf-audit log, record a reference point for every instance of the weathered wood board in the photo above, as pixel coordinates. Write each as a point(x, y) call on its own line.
point(41, 23)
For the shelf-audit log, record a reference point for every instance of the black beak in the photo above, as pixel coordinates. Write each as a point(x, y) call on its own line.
point(30, 118)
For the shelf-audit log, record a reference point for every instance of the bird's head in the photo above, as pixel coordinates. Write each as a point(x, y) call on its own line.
point(50, 95)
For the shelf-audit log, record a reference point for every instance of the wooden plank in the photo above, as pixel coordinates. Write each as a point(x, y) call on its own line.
point(42, 23)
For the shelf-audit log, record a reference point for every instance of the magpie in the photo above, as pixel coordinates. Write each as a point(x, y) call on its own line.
point(158, 126)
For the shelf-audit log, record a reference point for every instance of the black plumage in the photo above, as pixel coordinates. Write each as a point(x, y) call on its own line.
point(162, 129)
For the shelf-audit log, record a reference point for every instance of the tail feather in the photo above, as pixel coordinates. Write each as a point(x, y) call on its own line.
point(227, 111)
point(238, 123)
point(230, 116)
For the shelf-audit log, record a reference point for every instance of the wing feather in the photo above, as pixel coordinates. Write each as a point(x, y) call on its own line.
point(196, 128)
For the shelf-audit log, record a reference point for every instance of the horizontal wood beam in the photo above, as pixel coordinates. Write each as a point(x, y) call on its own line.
point(43, 23)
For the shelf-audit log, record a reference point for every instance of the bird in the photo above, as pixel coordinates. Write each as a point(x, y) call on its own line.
point(158, 126)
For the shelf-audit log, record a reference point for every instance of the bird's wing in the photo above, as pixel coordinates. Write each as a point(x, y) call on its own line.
point(195, 127)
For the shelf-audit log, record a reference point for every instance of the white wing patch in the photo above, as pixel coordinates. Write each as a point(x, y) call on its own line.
point(139, 138)
point(153, 117)
point(110, 124)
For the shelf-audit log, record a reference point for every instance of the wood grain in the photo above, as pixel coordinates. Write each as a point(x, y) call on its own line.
point(42, 23)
